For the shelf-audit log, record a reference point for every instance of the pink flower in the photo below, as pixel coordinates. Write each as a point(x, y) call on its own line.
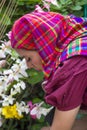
point(31, 106)
point(9, 35)
point(38, 9)
point(8, 44)
point(36, 110)
point(47, 3)
point(54, 2)
point(2, 63)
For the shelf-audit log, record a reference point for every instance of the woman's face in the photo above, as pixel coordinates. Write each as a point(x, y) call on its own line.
point(32, 58)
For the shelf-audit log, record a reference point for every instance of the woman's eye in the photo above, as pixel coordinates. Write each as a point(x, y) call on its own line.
point(28, 59)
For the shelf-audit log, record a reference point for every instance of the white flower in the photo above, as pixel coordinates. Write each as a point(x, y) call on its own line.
point(13, 92)
point(23, 67)
point(19, 86)
point(22, 85)
point(8, 44)
point(13, 73)
point(5, 47)
point(38, 111)
point(3, 84)
point(54, 2)
point(1, 88)
point(20, 67)
point(5, 81)
point(6, 72)
point(47, 3)
point(14, 76)
point(2, 54)
point(22, 107)
point(7, 100)
point(2, 63)
point(16, 73)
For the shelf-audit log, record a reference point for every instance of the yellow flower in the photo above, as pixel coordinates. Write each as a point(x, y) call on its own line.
point(11, 112)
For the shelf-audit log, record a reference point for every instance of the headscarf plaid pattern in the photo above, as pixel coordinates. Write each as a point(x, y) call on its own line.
point(77, 46)
point(47, 32)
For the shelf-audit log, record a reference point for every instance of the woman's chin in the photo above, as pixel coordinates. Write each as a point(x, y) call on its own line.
point(38, 69)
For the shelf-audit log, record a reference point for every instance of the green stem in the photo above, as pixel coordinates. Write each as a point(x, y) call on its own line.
point(85, 10)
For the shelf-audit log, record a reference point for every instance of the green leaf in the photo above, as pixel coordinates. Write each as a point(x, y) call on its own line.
point(65, 2)
point(34, 76)
point(78, 13)
point(36, 100)
point(33, 1)
point(14, 54)
point(6, 20)
point(77, 7)
point(36, 127)
point(62, 1)
point(22, 2)
point(83, 2)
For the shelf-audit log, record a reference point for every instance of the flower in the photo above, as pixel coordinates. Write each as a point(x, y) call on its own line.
point(3, 84)
point(20, 67)
point(5, 47)
point(2, 54)
point(54, 2)
point(36, 110)
point(47, 3)
point(11, 112)
point(2, 63)
point(38, 9)
point(7, 100)
point(9, 34)
point(22, 107)
point(20, 85)
point(17, 70)
point(13, 75)
point(13, 88)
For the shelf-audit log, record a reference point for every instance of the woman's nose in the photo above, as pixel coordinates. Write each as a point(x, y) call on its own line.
point(29, 65)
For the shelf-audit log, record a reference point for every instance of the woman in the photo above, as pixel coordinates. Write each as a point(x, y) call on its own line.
point(56, 45)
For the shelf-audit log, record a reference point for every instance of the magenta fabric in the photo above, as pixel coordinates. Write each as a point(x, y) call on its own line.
point(67, 88)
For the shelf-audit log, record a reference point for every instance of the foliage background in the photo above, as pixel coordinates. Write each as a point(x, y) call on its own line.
point(36, 94)
point(76, 7)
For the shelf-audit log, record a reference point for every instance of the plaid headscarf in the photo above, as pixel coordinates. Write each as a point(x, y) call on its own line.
point(47, 32)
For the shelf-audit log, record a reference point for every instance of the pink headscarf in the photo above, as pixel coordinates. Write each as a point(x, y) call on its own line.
point(47, 32)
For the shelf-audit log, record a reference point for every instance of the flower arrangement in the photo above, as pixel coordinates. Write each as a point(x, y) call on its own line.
point(13, 78)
